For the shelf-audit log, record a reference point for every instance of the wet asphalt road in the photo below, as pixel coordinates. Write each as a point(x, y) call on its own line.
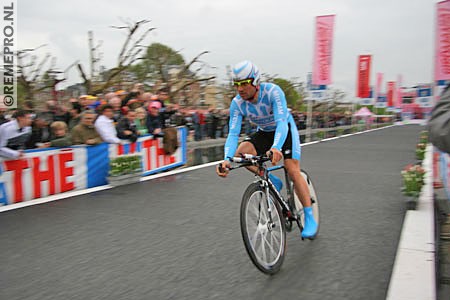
point(178, 237)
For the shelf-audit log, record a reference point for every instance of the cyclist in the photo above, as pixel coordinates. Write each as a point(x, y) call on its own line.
point(264, 104)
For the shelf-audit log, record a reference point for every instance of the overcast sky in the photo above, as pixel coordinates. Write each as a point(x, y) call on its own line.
point(278, 36)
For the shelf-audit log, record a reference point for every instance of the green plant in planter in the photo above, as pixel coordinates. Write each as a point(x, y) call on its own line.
point(413, 180)
point(125, 164)
point(420, 151)
point(320, 134)
point(423, 137)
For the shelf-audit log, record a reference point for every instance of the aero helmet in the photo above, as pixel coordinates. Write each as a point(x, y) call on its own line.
point(246, 70)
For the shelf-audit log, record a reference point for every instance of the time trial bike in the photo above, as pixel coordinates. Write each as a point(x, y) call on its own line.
point(266, 214)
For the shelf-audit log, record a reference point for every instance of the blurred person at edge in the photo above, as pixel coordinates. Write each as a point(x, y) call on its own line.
point(14, 134)
point(85, 133)
point(153, 118)
point(2, 116)
point(126, 128)
point(439, 122)
point(105, 125)
point(141, 121)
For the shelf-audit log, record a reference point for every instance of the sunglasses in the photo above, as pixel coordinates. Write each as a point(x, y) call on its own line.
point(242, 82)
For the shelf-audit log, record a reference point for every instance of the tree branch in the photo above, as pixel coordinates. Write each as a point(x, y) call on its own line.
point(87, 82)
point(191, 83)
point(194, 60)
point(131, 31)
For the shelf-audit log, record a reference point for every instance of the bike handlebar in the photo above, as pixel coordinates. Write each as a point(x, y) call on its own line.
point(247, 160)
point(251, 159)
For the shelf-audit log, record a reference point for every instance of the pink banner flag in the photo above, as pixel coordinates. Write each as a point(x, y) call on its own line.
point(442, 55)
point(390, 93)
point(364, 62)
point(379, 83)
point(399, 92)
point(323, 50)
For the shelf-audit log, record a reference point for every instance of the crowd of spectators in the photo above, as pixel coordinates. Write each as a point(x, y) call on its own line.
point(113, 118)
point(322, 119)
point(118, 116)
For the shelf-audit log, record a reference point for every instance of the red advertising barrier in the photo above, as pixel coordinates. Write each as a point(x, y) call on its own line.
point(46, 172)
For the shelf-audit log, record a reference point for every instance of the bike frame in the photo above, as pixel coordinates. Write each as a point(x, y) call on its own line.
point(266, 183)
point(262, 177)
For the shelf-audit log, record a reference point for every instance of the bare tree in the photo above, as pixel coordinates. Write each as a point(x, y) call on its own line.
point(160, 60)
point(31, 69)
point(185, 78)
point(129, 54)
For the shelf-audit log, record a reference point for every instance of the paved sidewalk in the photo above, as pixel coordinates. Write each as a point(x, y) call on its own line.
point(414, 273)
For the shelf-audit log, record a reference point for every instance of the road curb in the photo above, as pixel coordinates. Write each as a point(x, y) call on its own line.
point(414, 275)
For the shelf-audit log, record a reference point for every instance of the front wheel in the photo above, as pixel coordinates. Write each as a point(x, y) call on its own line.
point(314, 201)
point(264, 237)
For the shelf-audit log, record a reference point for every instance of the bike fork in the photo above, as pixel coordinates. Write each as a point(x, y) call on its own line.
point(269, 209)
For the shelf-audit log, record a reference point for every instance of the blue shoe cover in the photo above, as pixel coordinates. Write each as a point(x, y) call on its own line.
point(310, 229)
point(277, 182)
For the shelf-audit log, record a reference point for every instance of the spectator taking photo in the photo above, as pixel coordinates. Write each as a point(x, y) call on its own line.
point(14, 134)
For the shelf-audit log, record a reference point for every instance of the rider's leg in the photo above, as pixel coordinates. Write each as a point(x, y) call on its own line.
point(300, 186)
point(302, 191)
